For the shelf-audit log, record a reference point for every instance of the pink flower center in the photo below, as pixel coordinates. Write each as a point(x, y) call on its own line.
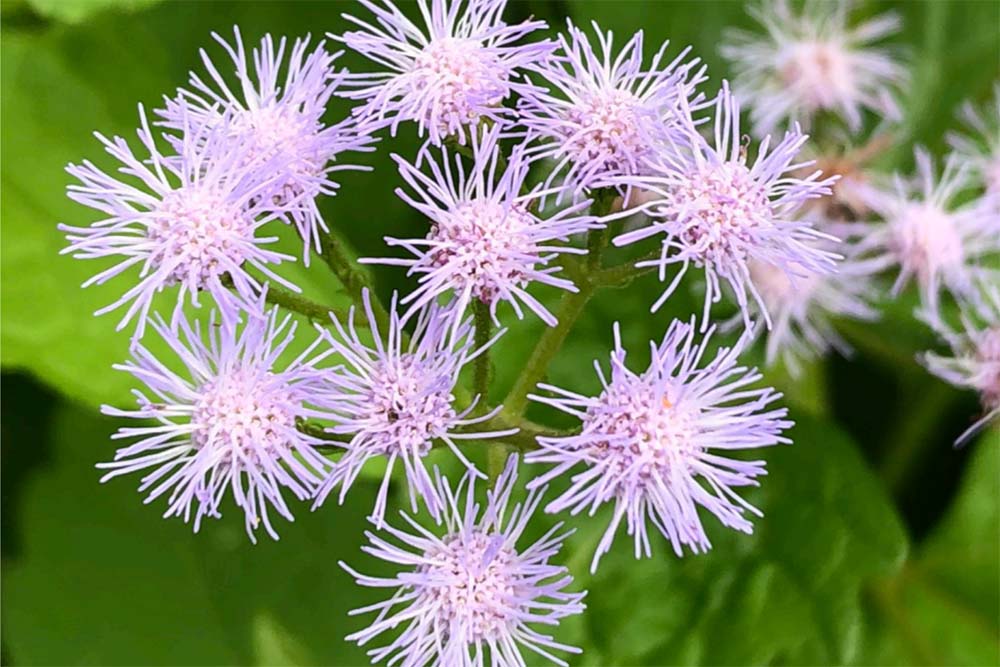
point(721, 209)
point(472, 581)
point(818, 73)
point(199, 235)
point(244, 415)
point(485, 244)
point(606, 128)
point(926, 242)
point(461, 77)
point(409, 404)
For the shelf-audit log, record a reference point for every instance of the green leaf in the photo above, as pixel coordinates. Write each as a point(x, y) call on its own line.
point(74, 11)
point(102, 579)
point(944, 606)
point(790, 593)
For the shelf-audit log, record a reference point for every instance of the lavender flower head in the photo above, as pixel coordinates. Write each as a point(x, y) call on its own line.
point(487, 242)
point(277, 115)
point(608, 113)
point(979, 146)
point(394, 398)
point(975, 360)
point(447, 74)
point(803, 308)
point(653, 443)
point(933, 241)
point(718, 212)
point(812, 62)
point(187, 220)
point(226, 423)
point(470, 597)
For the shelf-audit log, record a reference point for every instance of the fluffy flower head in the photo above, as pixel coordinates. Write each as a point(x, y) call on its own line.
point(653, 443)
point(226, 424)
point(486, 242)
point(607, 113)
point(934, 242)
point(187, 220)
point(276, 115)
point(447, 74)
point(470, 596)
point(393, 399)
point(813, 62)
point(979, 146)
point(720, 212)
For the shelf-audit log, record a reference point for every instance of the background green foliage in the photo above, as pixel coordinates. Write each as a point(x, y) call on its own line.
point(881, 543)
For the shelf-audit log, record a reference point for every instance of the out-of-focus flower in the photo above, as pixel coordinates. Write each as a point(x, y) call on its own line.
point(715, 210)
point(187, 220)
point(811, 62)
point(470, 597)
point(933, 241)
point(394, 398)
point(226, 423)
point(979, 147)
point(654, 443)
point(447, 74)
point(803, 308)
point(276, 111)
point(487, 242)
point(975, 360)
point(607, 113)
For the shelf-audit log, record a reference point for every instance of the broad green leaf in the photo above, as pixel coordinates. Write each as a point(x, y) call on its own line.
point(790, 593)
point(74, 11)
point(944, 605)
point(111, 582)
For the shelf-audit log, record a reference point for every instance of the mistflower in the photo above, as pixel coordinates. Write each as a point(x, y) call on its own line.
point(813, 62)
point(187, 220)
point(979, 147)
point(607, 113)
point(975, 363)
point(226, 422)
point(655, 443)
point(395, 398)
point(470, 597)
point(447, 74)
point(803, 308)
point(932, 240)
point(718, 211)
point(486, 241)
point(277, 110)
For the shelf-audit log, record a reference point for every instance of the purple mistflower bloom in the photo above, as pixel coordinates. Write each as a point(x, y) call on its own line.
point(486, 242)
point(938, 244)
point(447, 74)
point(394, 398)
point(719, 212)
point(813, 62)
point(979, 147)
point(608, 113)
point(803, 308)
point(226, 423)
point(654, 442)
point(277, 112)
point(187, 220)
point(975, 360)
point(470, 597)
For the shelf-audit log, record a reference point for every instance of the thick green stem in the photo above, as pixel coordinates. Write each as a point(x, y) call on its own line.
point(481, 379)
point(354, 280)
point(297, 303)
point(548, 345)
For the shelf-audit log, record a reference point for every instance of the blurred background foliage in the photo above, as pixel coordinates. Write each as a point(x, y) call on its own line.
point(881, 543)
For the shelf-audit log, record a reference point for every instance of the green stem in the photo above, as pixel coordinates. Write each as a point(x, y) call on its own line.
point(548, 345)
point(481, 378)
point(297, 303)
point(354, 280)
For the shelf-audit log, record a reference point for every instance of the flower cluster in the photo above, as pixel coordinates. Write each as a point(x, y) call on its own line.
point(538, 154)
